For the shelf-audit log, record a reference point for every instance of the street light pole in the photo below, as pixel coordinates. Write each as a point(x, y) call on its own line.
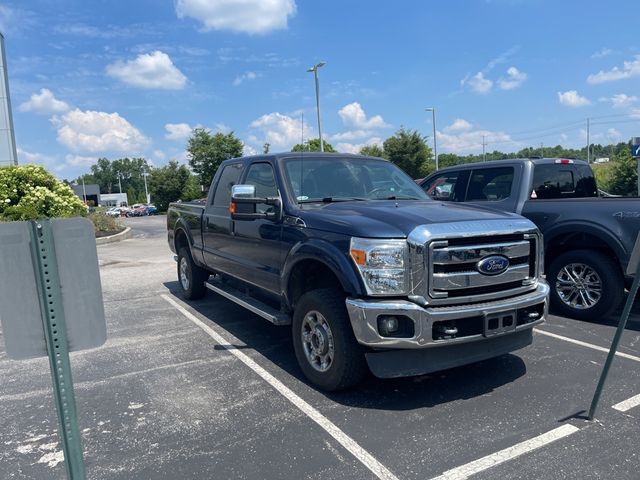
point(314, 69)
point(146, 191)
point(84, 191)
point(435, 143)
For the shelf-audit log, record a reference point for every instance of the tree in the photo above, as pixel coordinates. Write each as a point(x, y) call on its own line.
point(103, 174)
point(265, 148)
point(623, 178)
point(409, 150)
point(168, 183)
point(206, 152)
point(372, 151)
point(312, 145)
point(192, 190)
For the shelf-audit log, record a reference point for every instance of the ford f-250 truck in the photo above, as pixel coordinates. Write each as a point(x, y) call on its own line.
point(588, 238)
point(366, 269)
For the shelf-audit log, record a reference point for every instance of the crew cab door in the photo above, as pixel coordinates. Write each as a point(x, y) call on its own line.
point(256, 245)
point(216, 220)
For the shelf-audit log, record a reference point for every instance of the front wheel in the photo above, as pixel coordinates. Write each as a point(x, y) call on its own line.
point(585, 284)
point(325, 347)
point(190, 276)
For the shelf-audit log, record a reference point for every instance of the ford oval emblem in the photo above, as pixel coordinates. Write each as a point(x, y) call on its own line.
point(493, 265)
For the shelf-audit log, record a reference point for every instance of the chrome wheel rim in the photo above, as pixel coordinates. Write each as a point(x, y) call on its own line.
point(317, 341)
point(579, 286)
point(184, 273)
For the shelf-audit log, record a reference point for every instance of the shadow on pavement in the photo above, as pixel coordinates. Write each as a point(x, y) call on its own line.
point(274, 343)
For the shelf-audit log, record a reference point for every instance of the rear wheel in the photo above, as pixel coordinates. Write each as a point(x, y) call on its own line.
point(585, 284)
point(325, 346)
point(191, 277)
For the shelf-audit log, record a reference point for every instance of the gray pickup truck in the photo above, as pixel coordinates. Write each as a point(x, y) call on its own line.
point(364, 268)
point(588, 238)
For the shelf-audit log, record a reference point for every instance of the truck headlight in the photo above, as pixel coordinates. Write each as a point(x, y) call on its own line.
point(382, 265)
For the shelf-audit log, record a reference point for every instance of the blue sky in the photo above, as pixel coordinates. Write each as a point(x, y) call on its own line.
point(112, 78)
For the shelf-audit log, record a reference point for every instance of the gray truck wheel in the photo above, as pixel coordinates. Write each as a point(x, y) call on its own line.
point(585, 284)
point(325, 347)
point(191, 277)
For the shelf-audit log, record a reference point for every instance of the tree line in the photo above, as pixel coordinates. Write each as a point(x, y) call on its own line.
point(406, 148)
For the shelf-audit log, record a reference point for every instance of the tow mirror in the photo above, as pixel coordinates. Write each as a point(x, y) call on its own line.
point(244, 202)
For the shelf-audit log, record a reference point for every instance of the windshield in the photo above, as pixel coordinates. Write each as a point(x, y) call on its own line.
point(348, 178)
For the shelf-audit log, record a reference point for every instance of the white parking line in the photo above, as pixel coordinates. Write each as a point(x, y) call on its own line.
point(628, 404)
point(585, 344)
point(379, 470)
point(484, 463)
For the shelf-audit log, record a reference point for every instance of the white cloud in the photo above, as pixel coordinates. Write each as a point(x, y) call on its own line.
point(79, 160)
point(222, 128)
point(148, 70)
point(478, 83)
point(44, 103)
point(279, 130)
point(635, 113)
point(355, 148)
point(353, 116)
point(245, 76)
point(603, 52)
point(159, 155)
point(91, 131)
point(630, 69)
point(350, 135)
point(621, 100)
point(248, 16)
point(514, 79)
point(458, 125)
point(470, 141)
point(614, 135)
point(571, 98)
point(178, 131)
point(248, 150)
point(33, 157)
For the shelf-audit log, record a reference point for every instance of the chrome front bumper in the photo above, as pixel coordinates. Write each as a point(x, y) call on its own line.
point(364, 314)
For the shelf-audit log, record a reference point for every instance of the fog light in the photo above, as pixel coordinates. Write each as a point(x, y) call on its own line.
point(388, 325)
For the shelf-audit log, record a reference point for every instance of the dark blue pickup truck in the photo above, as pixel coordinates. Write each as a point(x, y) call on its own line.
point(364, 267)
point(589, 238)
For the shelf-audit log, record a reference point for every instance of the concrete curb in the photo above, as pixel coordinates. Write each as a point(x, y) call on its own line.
point(123, 235)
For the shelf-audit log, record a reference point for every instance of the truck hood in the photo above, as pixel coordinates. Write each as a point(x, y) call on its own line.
point(390, 218)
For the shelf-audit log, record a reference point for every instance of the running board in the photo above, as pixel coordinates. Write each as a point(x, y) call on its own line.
point(265, 311)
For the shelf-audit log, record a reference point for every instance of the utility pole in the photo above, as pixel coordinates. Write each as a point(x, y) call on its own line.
point(119, 183)
point(302, 130)
point(484, 154)
point(435, 144)
point(146, 191)
point(314, 69)
point(588, 143)
point(84, 191)
point(542, 149)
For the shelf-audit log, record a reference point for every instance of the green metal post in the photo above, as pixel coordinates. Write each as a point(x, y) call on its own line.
point(46, 268)
point(614, 345)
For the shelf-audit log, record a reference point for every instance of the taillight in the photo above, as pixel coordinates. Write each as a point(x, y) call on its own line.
point(564, 161)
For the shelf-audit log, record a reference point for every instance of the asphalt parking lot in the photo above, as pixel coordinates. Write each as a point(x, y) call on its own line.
point(206, 389)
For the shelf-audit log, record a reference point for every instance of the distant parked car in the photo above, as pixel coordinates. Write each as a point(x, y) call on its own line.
point(151, 210)
point(116, 211)
point(139, 211)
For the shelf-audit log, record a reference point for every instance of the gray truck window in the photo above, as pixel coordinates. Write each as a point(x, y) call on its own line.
point(490, 184)
point(261, 176)
point(228, 178)
point(443, 187)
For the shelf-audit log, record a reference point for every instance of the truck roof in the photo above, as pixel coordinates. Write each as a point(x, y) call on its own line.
point(535, 161)
point(281, 155)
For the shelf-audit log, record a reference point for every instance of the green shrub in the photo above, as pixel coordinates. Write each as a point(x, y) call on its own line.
point(104, 223)
point(29, 192)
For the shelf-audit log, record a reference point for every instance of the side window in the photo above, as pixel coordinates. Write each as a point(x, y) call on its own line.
point(443, 187)
point(553, 181)
point(261, 175)
point(228, 178)
point(490, 184)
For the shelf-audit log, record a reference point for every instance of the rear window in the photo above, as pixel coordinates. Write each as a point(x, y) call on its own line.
point(490, 184)
point(563, 181)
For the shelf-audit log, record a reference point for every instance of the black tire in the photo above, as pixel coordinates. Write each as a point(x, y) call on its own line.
point(611, 279)
point(192, 284)
point(348, 365)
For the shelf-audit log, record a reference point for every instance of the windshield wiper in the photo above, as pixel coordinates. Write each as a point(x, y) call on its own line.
point(334, 200)
point(398, 197)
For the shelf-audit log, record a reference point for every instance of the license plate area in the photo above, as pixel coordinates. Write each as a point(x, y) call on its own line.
point(500, 322)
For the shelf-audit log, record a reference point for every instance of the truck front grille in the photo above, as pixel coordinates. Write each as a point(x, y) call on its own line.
point(453, 274)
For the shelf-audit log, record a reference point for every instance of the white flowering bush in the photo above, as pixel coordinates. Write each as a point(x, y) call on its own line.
point(29, 192)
